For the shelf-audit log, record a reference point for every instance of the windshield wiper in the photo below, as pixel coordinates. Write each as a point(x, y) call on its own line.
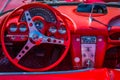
point(4, 6)
point(93, 19)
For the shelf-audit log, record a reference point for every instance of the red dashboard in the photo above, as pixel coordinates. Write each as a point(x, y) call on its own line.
point(80, 41)
point(82, 28)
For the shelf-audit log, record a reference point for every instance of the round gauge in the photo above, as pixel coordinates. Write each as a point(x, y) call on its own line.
point(22, 28)
point(13, 28)
point(53, 29)
point(48, 15)
point(38, 24)
point(62, 30)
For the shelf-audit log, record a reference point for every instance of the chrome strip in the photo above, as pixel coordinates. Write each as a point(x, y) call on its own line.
point(51, 72)
point(4, 6)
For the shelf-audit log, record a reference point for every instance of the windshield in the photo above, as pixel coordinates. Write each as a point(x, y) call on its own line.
point(6, 5)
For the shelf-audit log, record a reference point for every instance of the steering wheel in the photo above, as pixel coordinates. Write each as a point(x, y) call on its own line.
point(35, 37)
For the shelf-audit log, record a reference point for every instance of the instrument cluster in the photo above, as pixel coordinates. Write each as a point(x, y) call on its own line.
point(61, 30)
point(13, 27)
point(17, 32)
point(43, 19)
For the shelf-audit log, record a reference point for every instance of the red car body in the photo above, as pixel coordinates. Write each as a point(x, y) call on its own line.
point(78, 26)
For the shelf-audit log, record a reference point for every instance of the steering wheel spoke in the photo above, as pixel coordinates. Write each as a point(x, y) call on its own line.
point(24, 50)
point(30, 22)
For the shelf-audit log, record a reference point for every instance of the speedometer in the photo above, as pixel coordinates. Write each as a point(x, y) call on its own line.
point(48, 15)
point(45, 13)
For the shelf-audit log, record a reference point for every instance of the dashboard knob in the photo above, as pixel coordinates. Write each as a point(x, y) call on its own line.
point(88, 63)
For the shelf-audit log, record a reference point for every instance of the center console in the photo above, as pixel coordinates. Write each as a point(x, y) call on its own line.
point(88, 51)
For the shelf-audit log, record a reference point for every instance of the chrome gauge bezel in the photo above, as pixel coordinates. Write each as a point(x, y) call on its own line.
point(53, 29)
point(41, 24)
point(13, 27)
point(24, 26)
point(62, 29)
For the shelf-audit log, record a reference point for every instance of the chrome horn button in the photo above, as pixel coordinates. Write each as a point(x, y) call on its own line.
point(36, 37)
